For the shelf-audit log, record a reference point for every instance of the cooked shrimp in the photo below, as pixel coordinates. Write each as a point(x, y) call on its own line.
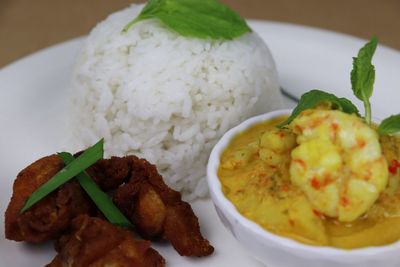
point(338, 163)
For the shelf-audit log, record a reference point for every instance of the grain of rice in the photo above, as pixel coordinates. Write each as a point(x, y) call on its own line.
point(167, 98)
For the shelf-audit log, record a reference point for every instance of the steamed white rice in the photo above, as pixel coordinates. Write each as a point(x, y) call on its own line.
point(167, 98)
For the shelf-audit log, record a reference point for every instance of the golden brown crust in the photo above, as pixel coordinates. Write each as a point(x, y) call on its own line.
point(109, 174)
point(52, 215)
point(182, 229)
point(157, 211)
point(97, 243)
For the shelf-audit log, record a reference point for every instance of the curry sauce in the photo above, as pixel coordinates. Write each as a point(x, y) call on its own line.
point(256, 179)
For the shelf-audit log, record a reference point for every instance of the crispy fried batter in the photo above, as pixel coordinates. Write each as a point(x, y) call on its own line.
point(52, 215)
point(97, 243)
point(110, 173)
point(157, 211)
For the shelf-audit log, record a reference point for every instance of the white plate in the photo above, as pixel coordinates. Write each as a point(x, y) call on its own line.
point(311, 58)
point(33, 110)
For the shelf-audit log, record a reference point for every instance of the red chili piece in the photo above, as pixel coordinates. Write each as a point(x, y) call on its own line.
point(344, 201)
point(393, 166)
point(315, 183)
point(317, 213)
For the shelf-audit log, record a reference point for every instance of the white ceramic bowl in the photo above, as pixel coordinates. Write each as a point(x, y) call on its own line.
point(277, 251)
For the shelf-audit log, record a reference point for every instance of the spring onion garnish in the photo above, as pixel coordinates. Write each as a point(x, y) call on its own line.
point(195, 18)
point(101, 199)
point(89, 157)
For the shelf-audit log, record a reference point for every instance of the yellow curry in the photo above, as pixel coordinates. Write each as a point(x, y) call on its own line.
point(328, 180)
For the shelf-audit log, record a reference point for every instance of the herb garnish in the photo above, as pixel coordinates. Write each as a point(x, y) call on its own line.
point(89, 157)
point(101, 199)
point(195, 18)
point(313, 98)
point(362, 81)
point(390, 125)
point(363, 75)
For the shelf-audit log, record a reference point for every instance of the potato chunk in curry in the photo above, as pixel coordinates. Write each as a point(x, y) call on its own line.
point(262, 174)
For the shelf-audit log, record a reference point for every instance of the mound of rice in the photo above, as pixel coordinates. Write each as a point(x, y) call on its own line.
point(167, 98)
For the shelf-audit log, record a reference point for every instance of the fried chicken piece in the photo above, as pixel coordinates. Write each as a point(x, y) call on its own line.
point(50, 217)
point(157, 211)
point(109, 174)
point(94, 242)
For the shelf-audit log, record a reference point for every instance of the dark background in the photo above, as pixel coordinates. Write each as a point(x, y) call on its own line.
point(29, 25)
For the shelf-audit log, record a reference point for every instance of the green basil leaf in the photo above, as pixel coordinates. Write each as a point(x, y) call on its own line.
point(88, 158)
point(363, 75)
point(313, 98)
point(194, 18)
point(390, 125)
point(101, 199)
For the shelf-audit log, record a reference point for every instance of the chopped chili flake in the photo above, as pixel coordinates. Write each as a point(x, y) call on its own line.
point(368, 176)
point(335, 129)
point(335, 126)
point(298, 129)
point(291, 222)
point(240, 191)
point(317, 213)
point(285, 188)
point(300, 162)
point(344, 201)
point(316, 122)
point(361, 143)
point(315, 183)
point(393, 166)
point(327, 180)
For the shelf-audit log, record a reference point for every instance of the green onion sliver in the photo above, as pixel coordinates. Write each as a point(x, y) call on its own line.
point(101, 199)
point(88, 158)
